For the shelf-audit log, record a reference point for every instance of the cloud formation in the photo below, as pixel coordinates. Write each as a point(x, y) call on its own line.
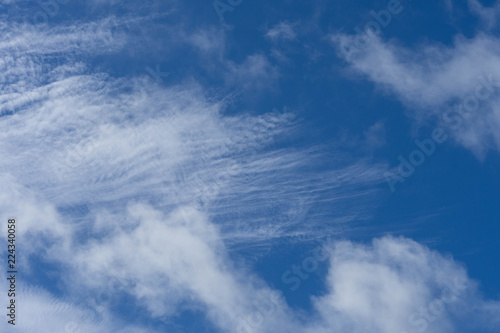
point(133, 191)
point(109, 174)
point(454, 84)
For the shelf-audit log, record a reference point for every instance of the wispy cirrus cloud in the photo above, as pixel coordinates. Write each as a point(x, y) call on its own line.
point(283, 30)
point(158, 188)
point(96, 163)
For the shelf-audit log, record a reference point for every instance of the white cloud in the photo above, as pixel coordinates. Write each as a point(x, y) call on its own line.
point(489, 15)
point(39, 311)
point(282, 30)
point(208, 41)
point(166, 261)
point(255, 72)
point(435, 80)
point(375, 136)
point(152, 164)
point(398, 285)
point(134, 154)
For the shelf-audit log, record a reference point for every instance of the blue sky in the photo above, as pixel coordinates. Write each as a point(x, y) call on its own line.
point(238, 166)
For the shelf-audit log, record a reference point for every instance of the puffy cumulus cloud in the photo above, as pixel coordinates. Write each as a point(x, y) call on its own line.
point(173, 262)
point(398, 285)
point(458, 84)
point(164, 262)
point(392, 285)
